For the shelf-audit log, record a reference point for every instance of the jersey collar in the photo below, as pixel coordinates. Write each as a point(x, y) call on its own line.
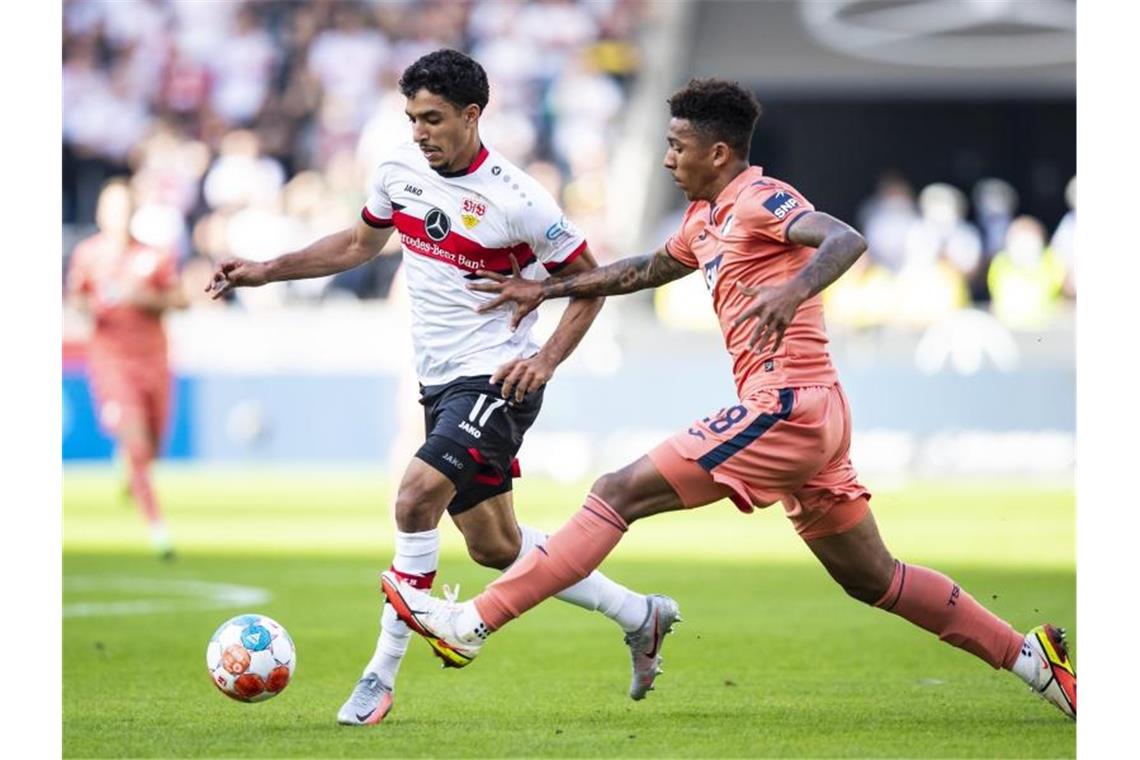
point(480, 157)
point(733, 189)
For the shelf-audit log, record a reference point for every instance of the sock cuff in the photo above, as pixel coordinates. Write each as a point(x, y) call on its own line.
point(417, 544)
point(894, 591)
point(422, 581)
point(602, 509)
point(529, 538)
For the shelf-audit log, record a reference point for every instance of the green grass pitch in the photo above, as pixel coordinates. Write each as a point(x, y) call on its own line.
point(772, 661)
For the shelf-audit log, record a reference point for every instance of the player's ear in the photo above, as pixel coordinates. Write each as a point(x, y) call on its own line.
point(722, 154)
point(471, 113)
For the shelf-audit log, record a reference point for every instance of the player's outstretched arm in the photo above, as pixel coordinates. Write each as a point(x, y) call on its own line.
point(522, 375)
point(618, 278)
point(331, 254)
point(839, 246)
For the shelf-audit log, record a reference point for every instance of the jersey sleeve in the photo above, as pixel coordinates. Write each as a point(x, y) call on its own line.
point(377, 211)
point(770, 209)
point(553, 238)
point(678, 247)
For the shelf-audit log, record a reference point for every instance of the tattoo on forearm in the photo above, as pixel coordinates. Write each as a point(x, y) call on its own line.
point(832, 259)
point(625, 276)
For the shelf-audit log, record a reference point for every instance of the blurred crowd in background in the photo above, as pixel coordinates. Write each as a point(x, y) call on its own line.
point(250, 128)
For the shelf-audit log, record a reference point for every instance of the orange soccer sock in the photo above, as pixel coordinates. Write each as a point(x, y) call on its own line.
point(932, 601)
point(568, 556)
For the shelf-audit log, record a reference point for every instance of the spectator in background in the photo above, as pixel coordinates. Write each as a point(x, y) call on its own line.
point(1064, 241)
point(885, 218)
point(1025, 278)
point(242, 70)
point(126, 285)
point(995, 203)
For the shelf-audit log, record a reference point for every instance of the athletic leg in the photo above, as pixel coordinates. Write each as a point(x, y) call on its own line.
point(422, 497)
point(496, 539)
point(858, 561)
point(578, 548)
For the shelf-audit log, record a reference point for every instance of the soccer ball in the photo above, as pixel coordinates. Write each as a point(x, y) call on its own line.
point(251, 658)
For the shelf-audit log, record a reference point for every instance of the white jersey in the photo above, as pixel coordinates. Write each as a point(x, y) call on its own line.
point(450, 226)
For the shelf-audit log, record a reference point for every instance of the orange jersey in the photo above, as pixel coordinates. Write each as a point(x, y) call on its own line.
point(105, 276)
point(742, 237)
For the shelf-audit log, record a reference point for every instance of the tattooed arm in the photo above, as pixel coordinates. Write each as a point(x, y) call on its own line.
point(625, 276)
point(839, 246)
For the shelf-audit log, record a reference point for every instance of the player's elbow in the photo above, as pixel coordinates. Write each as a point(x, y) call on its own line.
point(851, 240)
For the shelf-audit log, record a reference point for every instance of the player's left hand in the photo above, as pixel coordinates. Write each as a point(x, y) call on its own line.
point(521, 376)
point(525, 294)
point(773, 311)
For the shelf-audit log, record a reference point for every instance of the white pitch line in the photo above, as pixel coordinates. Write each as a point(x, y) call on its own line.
point(159, 595)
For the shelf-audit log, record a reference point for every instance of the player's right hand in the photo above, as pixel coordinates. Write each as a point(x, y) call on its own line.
point(232, 273)
point(525, 294)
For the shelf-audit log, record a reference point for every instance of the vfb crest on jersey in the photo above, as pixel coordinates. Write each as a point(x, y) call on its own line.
point(473, 212)
point(437, 224)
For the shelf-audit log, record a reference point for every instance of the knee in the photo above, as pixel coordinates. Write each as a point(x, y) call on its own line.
point(613, 488)
point(417, 506)
point(498, 552)
point(869, 584)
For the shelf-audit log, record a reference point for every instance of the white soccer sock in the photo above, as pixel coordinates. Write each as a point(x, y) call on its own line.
point(1027, 666)
point(416, 554)
point(595, 591)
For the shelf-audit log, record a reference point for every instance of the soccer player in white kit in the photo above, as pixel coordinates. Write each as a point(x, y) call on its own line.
point(460, 207)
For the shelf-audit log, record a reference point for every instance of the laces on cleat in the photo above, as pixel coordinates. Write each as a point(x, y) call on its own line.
point(451, 594)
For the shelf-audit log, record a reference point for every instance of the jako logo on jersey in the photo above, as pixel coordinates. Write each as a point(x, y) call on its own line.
point(470, 429)
point(711, 270)
point(780, 204)
point(413, 190)
point(559, 229)
point(437, 224)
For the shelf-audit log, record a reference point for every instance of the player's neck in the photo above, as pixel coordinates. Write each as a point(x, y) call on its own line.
point(466, 157)
point(722, 180)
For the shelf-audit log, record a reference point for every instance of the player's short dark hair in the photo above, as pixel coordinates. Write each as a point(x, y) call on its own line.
point(719, 110)
point(453, 76)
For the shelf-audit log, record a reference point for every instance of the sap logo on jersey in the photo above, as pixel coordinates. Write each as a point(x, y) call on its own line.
point(560, 229)
point(780, 204)
point(413, 190)
point(470, 429)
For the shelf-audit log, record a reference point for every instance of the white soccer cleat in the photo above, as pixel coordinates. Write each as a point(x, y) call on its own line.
point(645, 643)
point(435, 620)
point(1055, 679)
point(369, 703)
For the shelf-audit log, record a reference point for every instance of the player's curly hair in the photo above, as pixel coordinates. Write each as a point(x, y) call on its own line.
point(453, 76)
point(719, 110)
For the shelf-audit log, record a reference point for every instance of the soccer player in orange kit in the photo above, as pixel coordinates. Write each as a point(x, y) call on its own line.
point(766, 254)
point(126, 286)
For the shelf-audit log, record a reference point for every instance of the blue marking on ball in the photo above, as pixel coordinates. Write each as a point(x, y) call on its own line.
point(255, 638)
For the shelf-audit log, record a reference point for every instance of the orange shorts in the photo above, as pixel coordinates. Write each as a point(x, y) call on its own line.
point(132, 393)
point(790, 445)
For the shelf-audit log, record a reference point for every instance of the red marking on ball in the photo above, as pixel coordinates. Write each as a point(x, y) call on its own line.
point(278, 679)
point(249, 685)
point(235, 659)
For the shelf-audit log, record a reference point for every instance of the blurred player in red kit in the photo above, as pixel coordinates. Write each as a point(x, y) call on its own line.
point(125, 287)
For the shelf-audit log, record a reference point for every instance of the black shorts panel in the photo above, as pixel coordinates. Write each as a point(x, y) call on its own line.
point(476, 420)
